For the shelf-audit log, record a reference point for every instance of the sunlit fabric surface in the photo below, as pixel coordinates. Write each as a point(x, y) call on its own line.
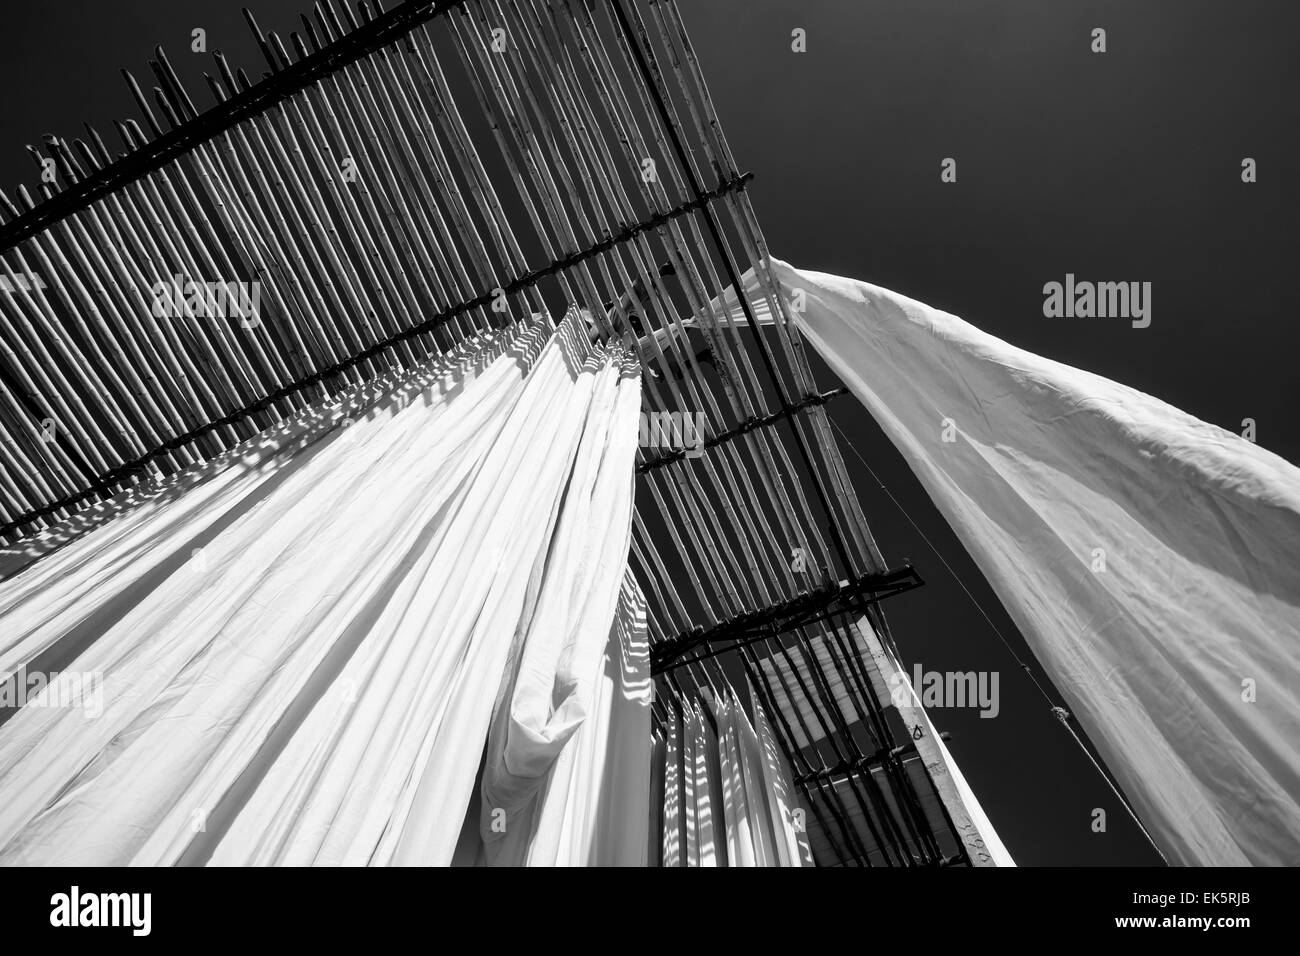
point(576, 793)
point(301, 642)
point(728, 799)
point(1149, 559)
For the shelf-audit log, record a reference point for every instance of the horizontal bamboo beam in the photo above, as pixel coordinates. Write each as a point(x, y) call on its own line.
point(806, 608)
point(865, 763)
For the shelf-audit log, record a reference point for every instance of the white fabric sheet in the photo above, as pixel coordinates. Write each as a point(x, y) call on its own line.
point(788, 824)
point(583, 800)
point(1181, 657)
point(301, 642)
point(728, 799)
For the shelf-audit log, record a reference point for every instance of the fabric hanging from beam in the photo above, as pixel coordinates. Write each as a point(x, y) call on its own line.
point(728, 798)
point(689, 792)
point(788, 824)
point(1147, 557)
point(298, 645)
point(569, 754)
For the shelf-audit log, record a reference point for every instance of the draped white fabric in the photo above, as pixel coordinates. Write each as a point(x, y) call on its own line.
point(301, 642)
point(728, 799)
point(688, 801)
point(1149, 559)
point(569, 755)
point(787, 826)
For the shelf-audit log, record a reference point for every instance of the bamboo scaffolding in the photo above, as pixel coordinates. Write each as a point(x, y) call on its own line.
point(398, 182)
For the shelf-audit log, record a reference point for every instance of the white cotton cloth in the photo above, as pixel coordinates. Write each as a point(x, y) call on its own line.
point(552, 679)
point(727, 788)
point(300, 642)
point(590, 805)
point(689, 798)
point(787, 824)
point(1180, 658)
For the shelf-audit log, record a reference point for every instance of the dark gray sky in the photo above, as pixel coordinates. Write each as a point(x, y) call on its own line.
point(1116, 166)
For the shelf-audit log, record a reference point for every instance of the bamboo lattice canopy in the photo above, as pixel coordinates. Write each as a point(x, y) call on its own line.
point(402, 180)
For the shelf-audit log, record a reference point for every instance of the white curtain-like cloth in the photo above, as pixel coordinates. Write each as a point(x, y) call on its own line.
point(787, 824)
point(567, 774)
point(300, 643)
point(688, 818)
point(1149, 559)
point(728, 799)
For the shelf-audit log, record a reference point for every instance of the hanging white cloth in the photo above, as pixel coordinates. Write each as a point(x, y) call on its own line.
point(788, 824)
point(1148, 558)
point(728, 799)
point(588, 804)
point(300, 642)
point(553, 678)
point(688, 832)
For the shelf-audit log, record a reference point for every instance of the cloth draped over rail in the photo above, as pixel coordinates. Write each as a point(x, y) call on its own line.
point(1178, 653)
point(726, 791)
point(303, 642)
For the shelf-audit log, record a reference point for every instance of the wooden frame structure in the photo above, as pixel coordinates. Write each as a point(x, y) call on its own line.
point(398, 181)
